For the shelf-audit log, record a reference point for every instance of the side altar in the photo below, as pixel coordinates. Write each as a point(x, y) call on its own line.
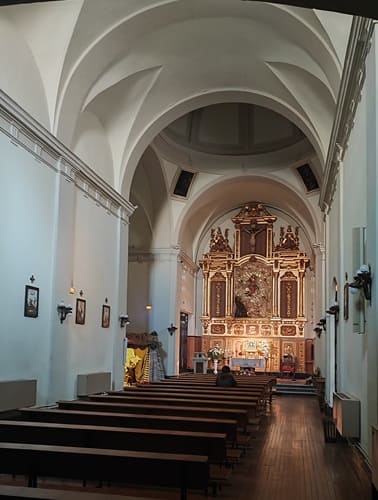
point(253, 303)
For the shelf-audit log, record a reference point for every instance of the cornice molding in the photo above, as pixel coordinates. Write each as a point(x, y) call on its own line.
point(187, 263)
point(155, 255)
point(352, 81)
point(26, 132)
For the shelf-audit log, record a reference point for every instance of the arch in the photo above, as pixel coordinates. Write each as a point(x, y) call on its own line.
point(229, 193)
point(212, 97)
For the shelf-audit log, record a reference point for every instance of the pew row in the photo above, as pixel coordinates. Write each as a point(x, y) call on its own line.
point(240, 415)
point(249, 406)
point(207, 425)
point(24, 492)
point(122, 466)
point(118, 438)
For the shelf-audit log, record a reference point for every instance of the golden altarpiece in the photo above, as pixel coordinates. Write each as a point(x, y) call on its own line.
point(253, 294)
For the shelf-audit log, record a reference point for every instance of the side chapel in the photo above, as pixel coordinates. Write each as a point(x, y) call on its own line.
point(253, 303)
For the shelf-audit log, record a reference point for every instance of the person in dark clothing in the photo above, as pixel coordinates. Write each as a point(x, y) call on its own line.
point(225, 378)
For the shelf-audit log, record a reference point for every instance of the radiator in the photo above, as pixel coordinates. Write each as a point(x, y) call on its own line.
point(17, 393)
point(346, 413)
point(92, 383)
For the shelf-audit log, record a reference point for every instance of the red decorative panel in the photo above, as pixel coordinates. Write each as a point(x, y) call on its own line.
point(218, 299)
point(288, 330)
point(218, 329)
point(288, 303)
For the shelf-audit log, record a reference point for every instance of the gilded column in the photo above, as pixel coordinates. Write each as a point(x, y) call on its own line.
point(229, 303)
point(206, 293)
point(237, 241)
point(301, 294)
point(275, 293)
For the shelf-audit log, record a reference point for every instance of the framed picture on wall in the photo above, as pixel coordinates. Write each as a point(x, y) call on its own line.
point(105, 318)
point(31, 303)
point(80, 311)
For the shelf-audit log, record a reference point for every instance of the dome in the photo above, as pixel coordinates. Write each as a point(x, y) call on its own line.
point(235, 129)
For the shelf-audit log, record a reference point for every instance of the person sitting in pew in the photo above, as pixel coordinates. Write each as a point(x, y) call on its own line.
point(225, 378)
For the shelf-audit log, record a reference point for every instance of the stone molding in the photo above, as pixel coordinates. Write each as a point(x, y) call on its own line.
point(155, 255)
point(352, 82)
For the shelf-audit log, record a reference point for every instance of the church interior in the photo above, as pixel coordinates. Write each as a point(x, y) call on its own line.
point(188, 185)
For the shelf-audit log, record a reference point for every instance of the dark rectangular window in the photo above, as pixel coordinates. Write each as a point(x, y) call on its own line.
point(183, 183)
point(308, 177)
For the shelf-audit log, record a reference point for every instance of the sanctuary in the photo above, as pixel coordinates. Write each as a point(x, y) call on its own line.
point(253, 303)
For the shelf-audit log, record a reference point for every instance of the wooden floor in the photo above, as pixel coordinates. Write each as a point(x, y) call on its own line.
point(290, 460)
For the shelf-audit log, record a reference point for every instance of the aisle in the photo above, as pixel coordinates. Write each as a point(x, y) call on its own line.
point(291, 461)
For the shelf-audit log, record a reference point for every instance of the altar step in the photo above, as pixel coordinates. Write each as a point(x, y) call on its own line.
point(292, 389)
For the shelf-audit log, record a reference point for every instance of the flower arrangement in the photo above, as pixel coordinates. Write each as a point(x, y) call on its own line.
point(215, 353)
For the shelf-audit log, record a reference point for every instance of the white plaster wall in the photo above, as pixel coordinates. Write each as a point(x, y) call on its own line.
point(96, 273)
point(357, 354)
point(54, 231)
point(332, 272)
point(155, 281)
point(92, 146)
point(186, 290)
point(27, 192)
point(372, 237)
point(139, 295)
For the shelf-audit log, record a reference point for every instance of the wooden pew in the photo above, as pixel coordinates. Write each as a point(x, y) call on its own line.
point(185, 411)
point(131, 467)
point(191, 392)
point(207, 425)
point(88, 436)
point(249, 406)
point(23, 492)
point(212, 392)
point(259, 387)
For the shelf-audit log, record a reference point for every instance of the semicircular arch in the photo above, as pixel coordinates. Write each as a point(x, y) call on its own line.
point(204, 99)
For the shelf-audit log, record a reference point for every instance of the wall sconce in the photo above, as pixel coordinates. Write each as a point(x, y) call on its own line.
point(318, 331)
point(320, 327)
point(362, 282)
point(172, 329)
point(63, 311)
point(124, 320)
point(334, 310)
point(322, 323)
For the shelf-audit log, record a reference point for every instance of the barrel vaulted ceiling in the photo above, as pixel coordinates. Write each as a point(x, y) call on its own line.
point(108, 79)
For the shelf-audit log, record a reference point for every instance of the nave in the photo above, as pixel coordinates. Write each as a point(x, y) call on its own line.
point(288, 460)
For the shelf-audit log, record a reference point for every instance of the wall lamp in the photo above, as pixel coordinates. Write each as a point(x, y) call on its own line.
point(333, 310)
point(318, 331)
point(322, 323)
point(362, 282)
point(172, 329)
point(63, 311)
point(320, 327)
point(124, 320)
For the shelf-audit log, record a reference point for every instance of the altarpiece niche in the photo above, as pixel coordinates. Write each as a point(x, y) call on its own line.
point(253, 293)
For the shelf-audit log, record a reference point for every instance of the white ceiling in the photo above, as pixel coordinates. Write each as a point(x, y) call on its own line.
point(106, 77)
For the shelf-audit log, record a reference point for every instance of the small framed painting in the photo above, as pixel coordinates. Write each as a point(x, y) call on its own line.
point(31, 303)
point(80, 311)
point(105, 318)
